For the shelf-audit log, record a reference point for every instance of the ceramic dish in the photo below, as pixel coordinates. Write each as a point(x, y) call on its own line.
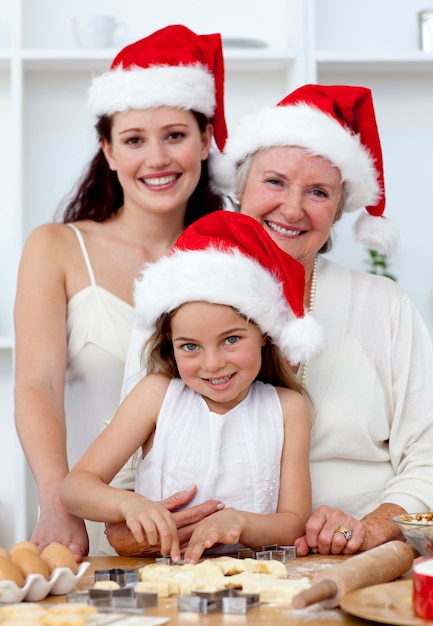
point(36, 587)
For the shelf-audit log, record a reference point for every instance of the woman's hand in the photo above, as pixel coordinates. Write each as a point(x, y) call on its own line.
point(373, 530)
point(56, 524)
point(322, 536)
point(121, 539)
point(379, 527)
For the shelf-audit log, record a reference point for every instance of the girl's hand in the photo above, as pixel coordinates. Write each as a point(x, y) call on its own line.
point(151, 521)
point(120, 537)
point(222, 527)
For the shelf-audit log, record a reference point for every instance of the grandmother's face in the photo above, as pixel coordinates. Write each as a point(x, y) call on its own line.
point(295, 196)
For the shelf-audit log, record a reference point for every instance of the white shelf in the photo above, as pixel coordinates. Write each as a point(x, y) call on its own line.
point(375, 63)
point(247, 59)
point(258, 59)
point(40, 59)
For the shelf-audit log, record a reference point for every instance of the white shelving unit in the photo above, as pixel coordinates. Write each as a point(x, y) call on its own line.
point(46, 131)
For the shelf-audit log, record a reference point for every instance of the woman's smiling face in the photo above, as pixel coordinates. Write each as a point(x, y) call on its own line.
point(157, 154)
point(296, 196)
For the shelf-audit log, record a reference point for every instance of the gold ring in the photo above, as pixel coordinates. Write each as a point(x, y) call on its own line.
point(346, 532)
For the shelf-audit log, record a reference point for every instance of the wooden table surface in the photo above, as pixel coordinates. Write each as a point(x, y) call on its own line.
point(263, 614)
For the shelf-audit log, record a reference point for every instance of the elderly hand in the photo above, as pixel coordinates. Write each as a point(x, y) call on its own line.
point(373, 530)
point(322, 534)
point(122, 540)
point(379, 527)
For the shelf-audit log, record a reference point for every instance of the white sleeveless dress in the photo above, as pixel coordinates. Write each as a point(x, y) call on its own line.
point(98, 329)
point(234, 457)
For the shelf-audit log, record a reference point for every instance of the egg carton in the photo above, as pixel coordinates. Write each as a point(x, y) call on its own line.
point(61, 582)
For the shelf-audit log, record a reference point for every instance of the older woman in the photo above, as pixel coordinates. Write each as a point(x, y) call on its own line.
point(297, 168)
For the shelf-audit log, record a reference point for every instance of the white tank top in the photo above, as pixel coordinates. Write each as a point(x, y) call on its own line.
point(234, 457)
point(98, 329)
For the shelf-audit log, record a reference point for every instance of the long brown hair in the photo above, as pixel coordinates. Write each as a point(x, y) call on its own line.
point(98, 194)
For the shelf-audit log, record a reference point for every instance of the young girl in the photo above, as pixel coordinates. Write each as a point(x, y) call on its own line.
point(220, 406)
point(158, 109)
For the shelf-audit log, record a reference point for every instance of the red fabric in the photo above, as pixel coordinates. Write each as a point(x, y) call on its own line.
point(177, 45)
point(353, 108)
point(226, 230)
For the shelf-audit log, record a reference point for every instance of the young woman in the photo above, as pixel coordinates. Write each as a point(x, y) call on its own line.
point(220, 407)
point(158, 109)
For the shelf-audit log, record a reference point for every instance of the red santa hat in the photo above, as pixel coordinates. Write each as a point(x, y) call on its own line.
point(228, 258)
point(338, 123)
point(171, 67)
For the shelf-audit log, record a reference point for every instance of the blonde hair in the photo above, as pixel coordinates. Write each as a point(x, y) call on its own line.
point(158, 358)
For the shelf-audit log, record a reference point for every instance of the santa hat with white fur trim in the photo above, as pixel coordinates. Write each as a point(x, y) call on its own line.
point(338, 123)
point(171, 67)
point(228, 258)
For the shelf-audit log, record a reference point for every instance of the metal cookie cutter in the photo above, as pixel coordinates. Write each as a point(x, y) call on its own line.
point(123, 577)
point(225, 601)
point(167, 560)
point(268, 553)
point(123, 599)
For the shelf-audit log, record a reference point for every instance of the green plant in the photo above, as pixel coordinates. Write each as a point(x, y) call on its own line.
point(378, 264)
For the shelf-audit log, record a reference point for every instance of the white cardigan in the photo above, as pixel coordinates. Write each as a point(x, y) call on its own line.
point(372, 387)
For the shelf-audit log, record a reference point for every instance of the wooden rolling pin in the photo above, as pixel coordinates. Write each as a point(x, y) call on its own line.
point(378, 565)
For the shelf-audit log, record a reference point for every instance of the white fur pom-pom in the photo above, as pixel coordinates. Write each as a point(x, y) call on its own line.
point(377, 233)
point(301, 339)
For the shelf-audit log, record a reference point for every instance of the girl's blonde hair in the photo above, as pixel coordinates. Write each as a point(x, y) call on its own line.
point(158, 358)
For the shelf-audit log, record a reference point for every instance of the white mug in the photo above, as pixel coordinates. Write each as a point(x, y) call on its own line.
point(95, 31)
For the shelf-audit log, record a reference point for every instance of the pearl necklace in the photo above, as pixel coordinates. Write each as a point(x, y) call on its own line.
point(312, 301)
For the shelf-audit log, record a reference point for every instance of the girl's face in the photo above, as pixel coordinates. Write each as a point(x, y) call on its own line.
point(157, 154)
point(295, 196)
point(217, 352)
